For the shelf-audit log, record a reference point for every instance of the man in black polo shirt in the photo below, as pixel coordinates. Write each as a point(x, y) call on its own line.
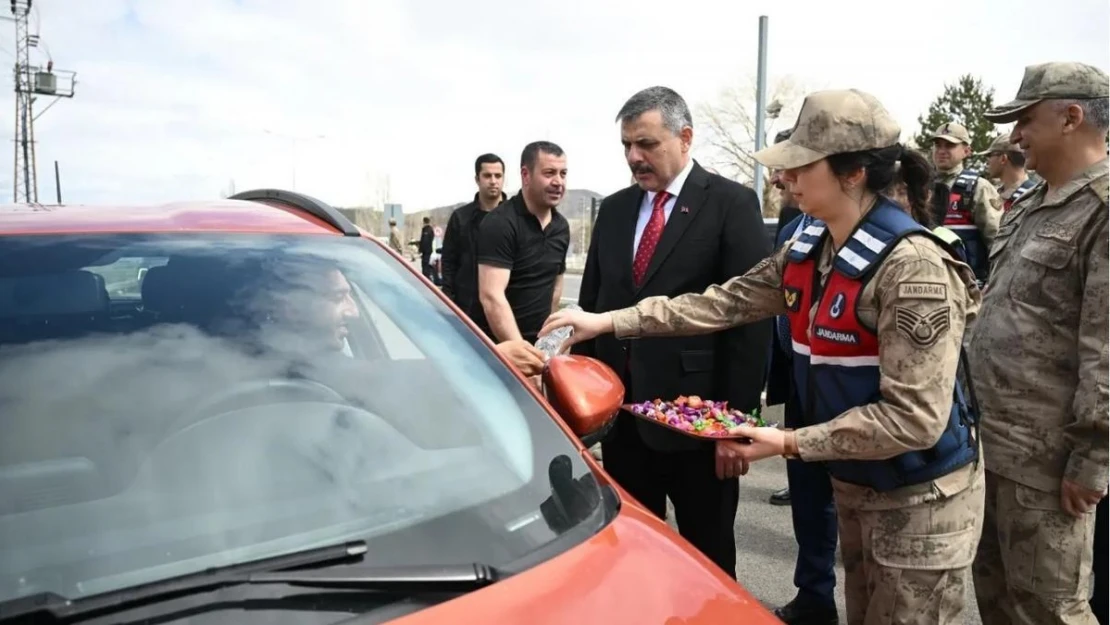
point(522, 248)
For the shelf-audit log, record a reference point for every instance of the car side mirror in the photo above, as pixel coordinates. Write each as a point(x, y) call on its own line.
point(586, 394)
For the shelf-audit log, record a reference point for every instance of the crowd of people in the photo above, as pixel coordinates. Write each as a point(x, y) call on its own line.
point(939, 343)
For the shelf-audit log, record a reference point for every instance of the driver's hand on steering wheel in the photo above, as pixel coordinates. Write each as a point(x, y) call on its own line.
point(523, 355)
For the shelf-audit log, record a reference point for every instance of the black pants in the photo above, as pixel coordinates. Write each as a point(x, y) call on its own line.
point(704, 506)
point(426, 267)
point(814, 515)
point(1099, 600)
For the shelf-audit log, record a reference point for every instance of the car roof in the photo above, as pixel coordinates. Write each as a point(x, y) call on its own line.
point(217, 216)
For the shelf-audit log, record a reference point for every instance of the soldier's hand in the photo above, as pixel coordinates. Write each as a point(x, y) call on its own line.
point(730, 461)
point(765, 442)
point(523, 355)
point(1077, 500)
point(586, 325)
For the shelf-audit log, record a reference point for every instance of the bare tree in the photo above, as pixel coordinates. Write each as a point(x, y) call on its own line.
point(728, 128)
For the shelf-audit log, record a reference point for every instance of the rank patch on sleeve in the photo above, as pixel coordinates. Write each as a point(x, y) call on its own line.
point(793, 298)
point(922, 330)
point(923, 290)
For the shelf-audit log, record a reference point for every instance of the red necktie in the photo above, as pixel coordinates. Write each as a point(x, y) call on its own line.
point(650, 238)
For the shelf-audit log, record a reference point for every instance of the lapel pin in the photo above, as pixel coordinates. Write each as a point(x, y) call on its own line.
point(684, 209)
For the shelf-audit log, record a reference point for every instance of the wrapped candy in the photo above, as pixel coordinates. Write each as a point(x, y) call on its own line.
point(697, 416)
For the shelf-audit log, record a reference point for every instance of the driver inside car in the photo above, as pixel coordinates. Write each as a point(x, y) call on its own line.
point(315, 310)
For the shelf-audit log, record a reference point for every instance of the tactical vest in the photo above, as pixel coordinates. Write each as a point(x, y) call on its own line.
point(1018, 192)
point(959, 218)
point(836, 358)
point(953, 240)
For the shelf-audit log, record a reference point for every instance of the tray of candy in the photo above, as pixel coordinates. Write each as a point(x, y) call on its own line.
point(696, 417)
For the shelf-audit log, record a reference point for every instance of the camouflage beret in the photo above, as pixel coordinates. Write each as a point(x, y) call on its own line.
point(833, 122)
point(1052, 81)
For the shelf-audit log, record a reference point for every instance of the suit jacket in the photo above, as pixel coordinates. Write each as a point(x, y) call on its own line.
point(714, 232)
point(427, 238)
point(780, 372)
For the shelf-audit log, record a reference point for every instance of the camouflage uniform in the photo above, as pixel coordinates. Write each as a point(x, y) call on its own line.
point(1003, 145)
point(907, 553)
point(986, 205)
point(1039, 362)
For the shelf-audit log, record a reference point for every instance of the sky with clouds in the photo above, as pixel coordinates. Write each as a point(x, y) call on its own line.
point(176, 98)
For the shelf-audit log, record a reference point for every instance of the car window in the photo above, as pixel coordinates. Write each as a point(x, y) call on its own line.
point(123, 278)
point(237, 397)
point(398, 346)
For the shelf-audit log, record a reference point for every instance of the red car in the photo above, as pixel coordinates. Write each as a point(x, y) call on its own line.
point(248, 410)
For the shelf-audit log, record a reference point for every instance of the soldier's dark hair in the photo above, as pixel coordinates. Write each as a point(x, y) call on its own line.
point(887, 166)
point(487, 159)
point(532, 151)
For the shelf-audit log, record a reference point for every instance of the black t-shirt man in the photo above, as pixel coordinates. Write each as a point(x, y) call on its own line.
point(512, 238)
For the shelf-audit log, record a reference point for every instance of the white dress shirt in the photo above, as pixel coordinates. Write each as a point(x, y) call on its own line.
point(649, 198)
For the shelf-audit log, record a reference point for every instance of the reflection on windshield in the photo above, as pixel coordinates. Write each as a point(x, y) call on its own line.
point(235, 398)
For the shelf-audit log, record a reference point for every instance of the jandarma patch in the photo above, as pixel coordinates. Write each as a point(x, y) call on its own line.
point(923, 290)
point(836, 336)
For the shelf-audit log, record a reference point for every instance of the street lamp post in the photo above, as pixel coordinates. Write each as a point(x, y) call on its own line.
point(293, 141)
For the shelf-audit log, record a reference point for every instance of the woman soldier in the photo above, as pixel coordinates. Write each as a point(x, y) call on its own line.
point(877, 306)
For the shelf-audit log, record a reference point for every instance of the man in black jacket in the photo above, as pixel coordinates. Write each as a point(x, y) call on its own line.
point(678, 230)
point(460, 265)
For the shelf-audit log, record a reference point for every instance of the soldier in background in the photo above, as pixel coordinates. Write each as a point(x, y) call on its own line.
point(972, 207)
point(1006, 163)
point(395, 238)
point(1039, 357)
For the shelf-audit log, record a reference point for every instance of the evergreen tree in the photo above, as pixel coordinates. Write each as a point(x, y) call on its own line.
point(964, 103)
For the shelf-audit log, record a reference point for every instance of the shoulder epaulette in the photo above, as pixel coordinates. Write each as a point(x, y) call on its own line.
point(1101, 187)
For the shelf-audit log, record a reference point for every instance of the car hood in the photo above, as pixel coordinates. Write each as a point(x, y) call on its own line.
point(636, 571)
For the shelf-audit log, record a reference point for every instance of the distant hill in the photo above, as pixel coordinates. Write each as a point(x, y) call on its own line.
point(575, 205)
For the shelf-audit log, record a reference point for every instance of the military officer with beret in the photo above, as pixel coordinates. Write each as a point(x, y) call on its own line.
point(1039, 357)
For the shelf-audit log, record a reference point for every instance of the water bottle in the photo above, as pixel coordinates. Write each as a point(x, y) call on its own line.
point(551, 344)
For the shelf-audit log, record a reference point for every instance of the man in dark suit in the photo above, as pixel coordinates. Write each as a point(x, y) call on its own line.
point(427, 240)
point(809, 493)
point(678, 230)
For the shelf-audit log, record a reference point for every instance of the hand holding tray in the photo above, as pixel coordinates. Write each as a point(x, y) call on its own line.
point(697, 417)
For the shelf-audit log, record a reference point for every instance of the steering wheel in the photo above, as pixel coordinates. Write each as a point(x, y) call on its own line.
point(254, 393)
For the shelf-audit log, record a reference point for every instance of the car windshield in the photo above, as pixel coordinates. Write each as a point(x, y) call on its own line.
point(174, 402)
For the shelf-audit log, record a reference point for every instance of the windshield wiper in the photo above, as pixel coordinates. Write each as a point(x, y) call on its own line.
point(279, 570)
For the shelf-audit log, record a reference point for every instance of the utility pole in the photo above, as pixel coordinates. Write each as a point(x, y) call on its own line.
point(31, 80)
point(760, 104)
point(294, 141)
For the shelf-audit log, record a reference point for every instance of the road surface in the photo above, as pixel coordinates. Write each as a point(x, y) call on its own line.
point(572, 282)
